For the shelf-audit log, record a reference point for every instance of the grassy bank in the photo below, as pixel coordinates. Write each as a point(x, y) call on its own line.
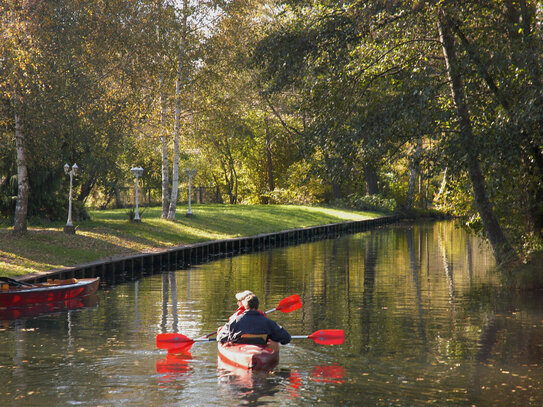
point(109, 233)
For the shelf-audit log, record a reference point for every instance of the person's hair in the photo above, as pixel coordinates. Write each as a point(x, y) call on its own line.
point(251, 302)
point(241, 295)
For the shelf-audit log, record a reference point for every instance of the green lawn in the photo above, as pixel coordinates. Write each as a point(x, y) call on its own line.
point(109, 233)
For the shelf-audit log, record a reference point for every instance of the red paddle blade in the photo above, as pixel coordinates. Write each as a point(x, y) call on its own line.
point(290, 304)
point(328, 337)
point(173, 341)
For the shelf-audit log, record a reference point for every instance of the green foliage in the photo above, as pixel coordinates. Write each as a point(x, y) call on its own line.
point(371, 203)
point(291, 196)
point(81, 81)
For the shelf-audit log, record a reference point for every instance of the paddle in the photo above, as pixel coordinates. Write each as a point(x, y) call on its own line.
point(286, 305)
point(176, 342)
point(16, 283)
point(325, 337)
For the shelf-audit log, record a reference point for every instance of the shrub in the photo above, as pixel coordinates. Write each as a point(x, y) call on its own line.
point(300, 196)
point(371, 203)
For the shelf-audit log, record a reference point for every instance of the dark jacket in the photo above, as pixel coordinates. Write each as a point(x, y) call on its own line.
point(252, 322)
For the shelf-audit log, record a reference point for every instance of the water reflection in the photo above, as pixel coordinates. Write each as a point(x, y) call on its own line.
point(169, 282)
point(173, 366)
point(42, 309)
point(414, 264)
point(370, 261)
point(333, 373)
point(254, 387)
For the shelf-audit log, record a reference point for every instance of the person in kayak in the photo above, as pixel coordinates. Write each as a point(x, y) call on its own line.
point(252, 327)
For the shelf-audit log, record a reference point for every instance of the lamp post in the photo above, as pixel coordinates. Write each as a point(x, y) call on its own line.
point(69, 228)
point(190, 174)
point(137, 172)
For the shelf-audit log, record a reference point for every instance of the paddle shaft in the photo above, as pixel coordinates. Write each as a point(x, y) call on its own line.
point(205, 340)
point(16, 282)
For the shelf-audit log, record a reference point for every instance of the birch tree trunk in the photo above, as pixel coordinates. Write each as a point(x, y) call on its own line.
point(165, 158)
point(177, 118)
point(269, 158)
point(23, 188)
point(500, 246)
point(443, 185)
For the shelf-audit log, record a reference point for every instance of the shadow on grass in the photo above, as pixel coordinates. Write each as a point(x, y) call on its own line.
point(40, 250)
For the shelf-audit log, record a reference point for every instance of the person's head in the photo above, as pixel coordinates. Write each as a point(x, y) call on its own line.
point(242, 295)
point(251, 302)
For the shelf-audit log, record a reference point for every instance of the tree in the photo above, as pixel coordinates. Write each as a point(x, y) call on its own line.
point(372, 75)
point(72, 74)
point(179, 88)
point(500, 245)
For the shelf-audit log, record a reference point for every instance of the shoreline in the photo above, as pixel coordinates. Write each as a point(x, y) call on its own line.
point(110, 234)
point(183, 256)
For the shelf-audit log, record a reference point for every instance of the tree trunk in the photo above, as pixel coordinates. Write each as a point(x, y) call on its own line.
point(177, 118)
point(176, 130)
point(235, 177)
point(336, 190)
point(500, 246)
point(23, 187)
point(86, 188)
point(443, 185)
point(165, 159)
point(370, 175)
point(414, 172)
point(109, 197)
point(118, 198)
point(271, 184)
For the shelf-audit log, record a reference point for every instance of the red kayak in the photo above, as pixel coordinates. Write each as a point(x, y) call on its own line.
point(257, 357)
point(24, 294)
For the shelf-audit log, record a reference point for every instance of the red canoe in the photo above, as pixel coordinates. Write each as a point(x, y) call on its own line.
point(256, 357)
point(52, 291)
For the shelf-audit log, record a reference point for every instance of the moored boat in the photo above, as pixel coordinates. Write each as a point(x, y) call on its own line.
point(14, 294)
point(247, 356)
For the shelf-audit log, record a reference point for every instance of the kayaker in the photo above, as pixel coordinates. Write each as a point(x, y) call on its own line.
point(252, 327)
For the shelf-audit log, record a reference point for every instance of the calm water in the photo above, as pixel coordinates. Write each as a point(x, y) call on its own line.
point(423, 318)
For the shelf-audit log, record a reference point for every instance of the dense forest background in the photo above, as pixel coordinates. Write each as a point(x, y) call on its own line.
point(387, 104)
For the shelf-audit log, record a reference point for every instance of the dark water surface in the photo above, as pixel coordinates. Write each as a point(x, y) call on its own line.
point(424, 323)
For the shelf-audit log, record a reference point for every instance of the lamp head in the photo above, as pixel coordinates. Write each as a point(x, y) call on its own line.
point(66, 168)
point(137, 171)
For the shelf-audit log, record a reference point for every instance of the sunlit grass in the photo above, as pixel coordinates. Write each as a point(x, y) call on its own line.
point(109, 233)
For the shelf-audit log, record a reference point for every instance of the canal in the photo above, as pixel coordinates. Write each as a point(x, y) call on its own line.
point(424, 318)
